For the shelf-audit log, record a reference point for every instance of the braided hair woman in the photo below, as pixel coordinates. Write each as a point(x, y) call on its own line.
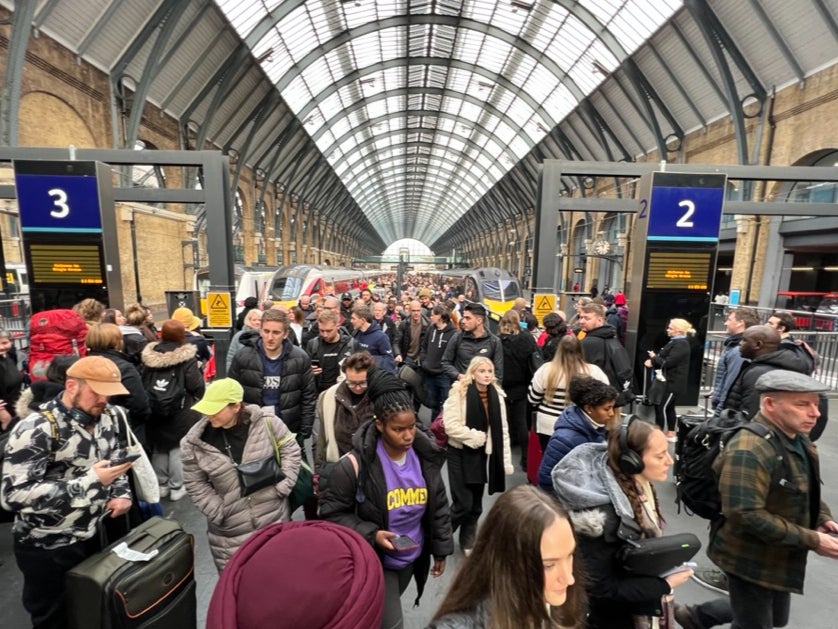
point(389, 489)
point(607, 490)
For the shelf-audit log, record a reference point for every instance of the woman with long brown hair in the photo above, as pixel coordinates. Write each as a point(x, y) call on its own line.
point(521, 574)
point(607, 490)
point(548, 389)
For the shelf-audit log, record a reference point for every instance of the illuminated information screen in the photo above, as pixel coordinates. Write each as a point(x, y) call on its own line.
point(58, 263)
point(678, 270)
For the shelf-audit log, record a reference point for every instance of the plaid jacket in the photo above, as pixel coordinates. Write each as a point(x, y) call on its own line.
point(768, 528)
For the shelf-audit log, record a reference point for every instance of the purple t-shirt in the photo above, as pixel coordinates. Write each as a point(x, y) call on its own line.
point(407, 499)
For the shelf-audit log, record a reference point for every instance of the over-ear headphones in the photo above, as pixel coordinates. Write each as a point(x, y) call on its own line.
point(630, 461)
point(76, 414)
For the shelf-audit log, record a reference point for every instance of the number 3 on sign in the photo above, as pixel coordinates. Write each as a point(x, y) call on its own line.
point(686, 219)
point(59, 201)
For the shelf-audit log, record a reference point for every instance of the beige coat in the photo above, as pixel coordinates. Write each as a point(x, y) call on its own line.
point(459, 434)
point(213, 484)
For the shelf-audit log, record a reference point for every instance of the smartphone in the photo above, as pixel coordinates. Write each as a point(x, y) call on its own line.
point(315, 362)
point(128, 458)
point(403, 542)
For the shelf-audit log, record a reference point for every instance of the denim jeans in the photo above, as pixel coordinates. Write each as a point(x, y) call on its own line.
point(756, 607)
point(437, 387)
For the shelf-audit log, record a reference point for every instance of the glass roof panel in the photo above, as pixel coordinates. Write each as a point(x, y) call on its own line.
point(543, 49)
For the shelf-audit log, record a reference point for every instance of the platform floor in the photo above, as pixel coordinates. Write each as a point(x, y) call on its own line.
point(816, 609)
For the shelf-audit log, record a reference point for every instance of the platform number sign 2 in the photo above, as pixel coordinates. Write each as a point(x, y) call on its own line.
point(684, 207)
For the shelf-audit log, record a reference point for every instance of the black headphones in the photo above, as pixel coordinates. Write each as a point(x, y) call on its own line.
point(630, 461)
point(76, 414)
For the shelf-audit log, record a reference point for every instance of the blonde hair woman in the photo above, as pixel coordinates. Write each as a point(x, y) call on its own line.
point(478, 445)
point(673, 363)
point(548, 389)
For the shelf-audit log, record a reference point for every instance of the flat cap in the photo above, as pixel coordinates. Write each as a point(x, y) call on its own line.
point(784, 380)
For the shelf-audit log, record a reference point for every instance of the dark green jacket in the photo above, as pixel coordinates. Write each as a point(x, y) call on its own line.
point(768, 527)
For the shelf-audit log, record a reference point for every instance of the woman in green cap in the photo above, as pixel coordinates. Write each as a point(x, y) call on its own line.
point(240, 464)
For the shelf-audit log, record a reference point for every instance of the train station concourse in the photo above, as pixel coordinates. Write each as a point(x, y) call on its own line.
point(172, 153)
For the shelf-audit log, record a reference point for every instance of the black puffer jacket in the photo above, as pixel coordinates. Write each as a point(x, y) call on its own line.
point(340, 498)
point(743, 396)
point(136, 402)
point(297, 395)
point(464, 346)
point(165, 433)
point(518, 349)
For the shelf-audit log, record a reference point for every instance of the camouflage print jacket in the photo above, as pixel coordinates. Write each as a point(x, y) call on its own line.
point(768, 526)
point(51, 486)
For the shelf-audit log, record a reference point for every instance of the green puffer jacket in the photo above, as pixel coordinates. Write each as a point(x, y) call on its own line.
point(768, 527)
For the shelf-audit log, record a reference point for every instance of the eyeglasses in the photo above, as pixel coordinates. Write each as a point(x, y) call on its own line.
point(357, 385)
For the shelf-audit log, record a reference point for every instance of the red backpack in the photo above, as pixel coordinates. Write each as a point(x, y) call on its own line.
point(51, 333)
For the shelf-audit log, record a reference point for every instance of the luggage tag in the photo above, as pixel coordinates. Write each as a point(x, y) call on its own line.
point(128, 554)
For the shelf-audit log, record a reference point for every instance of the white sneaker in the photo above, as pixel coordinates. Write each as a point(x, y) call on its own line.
point(177, 494)
point(164, 491)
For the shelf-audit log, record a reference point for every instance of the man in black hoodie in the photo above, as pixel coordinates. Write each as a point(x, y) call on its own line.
point(437, 382)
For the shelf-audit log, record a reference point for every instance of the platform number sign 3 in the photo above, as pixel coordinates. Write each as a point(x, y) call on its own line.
point(60, 200)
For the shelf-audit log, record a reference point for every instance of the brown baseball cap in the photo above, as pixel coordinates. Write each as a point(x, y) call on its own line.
point(101, 374)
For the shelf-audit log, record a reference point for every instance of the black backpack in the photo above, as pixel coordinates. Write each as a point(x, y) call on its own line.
point(166, 390)
point(699, 444)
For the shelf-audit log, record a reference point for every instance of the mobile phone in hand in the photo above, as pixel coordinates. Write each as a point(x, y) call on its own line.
point(315, 362)
point(403, 543)
point(128, 458)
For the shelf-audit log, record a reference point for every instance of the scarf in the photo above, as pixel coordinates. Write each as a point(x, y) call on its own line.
point(477, 420)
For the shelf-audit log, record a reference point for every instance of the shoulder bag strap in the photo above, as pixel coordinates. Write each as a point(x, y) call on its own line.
point(274, 441)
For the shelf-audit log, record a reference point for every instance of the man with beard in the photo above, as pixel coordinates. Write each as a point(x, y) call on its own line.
point(59, 479)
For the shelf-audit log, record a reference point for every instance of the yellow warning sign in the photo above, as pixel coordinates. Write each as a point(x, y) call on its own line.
point(219, 312)
point(542, 304)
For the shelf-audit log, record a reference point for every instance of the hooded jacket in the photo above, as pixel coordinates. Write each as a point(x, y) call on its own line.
point(358, 499)
point(727, 369)
point(166, 432)
point(465, 346)
point(213, 483)
point(595, 349)
point(297, 395)
point(573, 428)
point(374, 341)
point(743, 395)
point(586, 486)
point(433, 348)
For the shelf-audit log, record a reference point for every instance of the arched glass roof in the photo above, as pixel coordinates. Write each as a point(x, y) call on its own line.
point(421, 106)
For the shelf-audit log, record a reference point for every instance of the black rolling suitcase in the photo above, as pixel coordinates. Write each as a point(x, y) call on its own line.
point(116, 591)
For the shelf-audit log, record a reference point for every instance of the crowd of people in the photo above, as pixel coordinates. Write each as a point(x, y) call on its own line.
point(346, 377)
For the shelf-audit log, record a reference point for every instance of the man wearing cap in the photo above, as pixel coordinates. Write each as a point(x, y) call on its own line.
point(474, 340)
point(346, 305)
point(425, 302)
point(772, 510)
point(58, 479)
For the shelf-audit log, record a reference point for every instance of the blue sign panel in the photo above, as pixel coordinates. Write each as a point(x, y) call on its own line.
point(686, 207)
point(58, 203)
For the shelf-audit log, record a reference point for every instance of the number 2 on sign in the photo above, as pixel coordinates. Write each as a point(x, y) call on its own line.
point(59, 201)
point(686, 219)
